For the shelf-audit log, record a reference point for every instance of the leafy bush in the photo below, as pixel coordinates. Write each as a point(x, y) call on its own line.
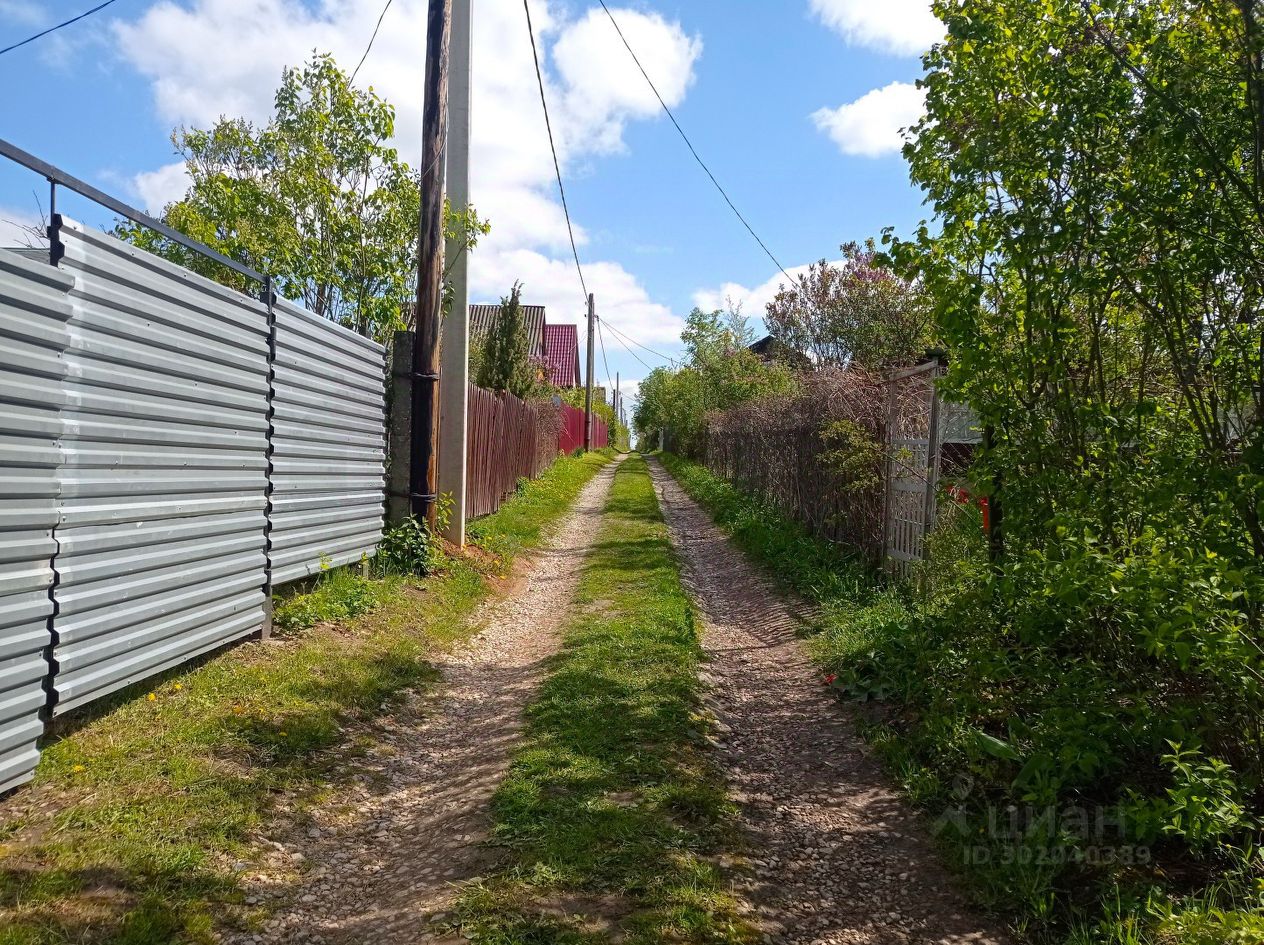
point(1080, 723)
point(409, 548)
point(340, 594)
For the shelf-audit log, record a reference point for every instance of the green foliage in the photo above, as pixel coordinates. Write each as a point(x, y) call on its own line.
point(853, 455)
point(316, 198)
point(621, 820)
point(1095, 270)
point(1130, 825)
point(504, 360)
point(720, 372)
point(822, 571)
point(340, 594)
point(858, 313)
point(410, 548)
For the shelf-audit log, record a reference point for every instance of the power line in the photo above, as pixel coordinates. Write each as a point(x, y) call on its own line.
point(630, 351)
point(657, 354)
point(557, 167)
point(53, 29)
point(372, 38)
point(601, 338)
point(750, 229)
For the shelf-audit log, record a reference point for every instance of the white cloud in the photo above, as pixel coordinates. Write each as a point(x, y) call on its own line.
point(158, 188)
point(753, 302)
point(552, 282)
point(208, 58)
point(602, 80)
point(19, 228)
point(904, 27)
point(23, 13)
point(873, 125)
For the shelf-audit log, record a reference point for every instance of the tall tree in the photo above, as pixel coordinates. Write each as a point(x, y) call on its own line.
point(720, 372)
point(317, 198)
point(859, 312)
point(505, 362)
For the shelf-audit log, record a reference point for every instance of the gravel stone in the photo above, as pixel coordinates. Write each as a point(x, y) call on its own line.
point(391, 854)
point(826, 823)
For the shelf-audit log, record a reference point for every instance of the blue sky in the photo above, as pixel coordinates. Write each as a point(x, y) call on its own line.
point(794, 104)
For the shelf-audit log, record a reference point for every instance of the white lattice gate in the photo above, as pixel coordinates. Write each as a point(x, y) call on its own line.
point(913, 457)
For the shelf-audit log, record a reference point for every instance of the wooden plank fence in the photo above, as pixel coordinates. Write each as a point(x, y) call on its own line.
point(509, 440)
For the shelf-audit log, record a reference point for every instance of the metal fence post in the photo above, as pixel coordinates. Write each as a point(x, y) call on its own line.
point(269, 299)
point(400, 430)
point(932, 457)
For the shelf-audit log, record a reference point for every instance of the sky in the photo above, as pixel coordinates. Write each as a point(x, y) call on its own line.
point(797, 106)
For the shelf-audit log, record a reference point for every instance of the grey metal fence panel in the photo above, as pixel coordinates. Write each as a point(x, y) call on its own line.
point(328, 445)
point(34, 309)
point(161, 544)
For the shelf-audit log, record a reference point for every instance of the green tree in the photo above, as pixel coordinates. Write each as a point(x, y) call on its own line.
point(1096, 265)
point(720, 372)
point(317, 198)
point(504, 362)
point(860, 312)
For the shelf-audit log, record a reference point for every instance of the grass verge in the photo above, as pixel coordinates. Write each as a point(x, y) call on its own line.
point(139, 821)
point(612, 812)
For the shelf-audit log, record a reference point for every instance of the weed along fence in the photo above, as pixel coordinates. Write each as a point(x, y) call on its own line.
point(169, 451)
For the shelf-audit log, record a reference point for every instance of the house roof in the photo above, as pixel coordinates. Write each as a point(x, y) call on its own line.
point(482, 317)
point(561, 354)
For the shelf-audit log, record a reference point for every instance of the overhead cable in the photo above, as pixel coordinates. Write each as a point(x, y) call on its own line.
point(557, 167)
point(53, 29)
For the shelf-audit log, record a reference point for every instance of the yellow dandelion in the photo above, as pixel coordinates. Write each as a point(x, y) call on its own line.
point(151, 697)
point(178, 687)
point(77, 768)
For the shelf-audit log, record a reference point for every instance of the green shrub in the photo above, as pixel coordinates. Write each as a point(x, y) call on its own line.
point(339, 594)
point(1082, 720)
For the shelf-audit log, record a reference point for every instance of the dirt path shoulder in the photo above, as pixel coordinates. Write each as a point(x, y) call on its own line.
point(839, 859)
point(380, 862)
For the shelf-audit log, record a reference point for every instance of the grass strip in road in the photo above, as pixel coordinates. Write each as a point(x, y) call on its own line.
point(612, 812)
point(136, 823)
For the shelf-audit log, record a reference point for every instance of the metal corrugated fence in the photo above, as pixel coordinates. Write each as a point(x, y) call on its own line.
point(34, 310)
point(164, 477)
point(329, 445)
point(160, 436)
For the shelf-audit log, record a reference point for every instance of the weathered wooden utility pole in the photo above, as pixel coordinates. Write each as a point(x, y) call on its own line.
point(455, 354)
point(588, 397)
point(434, 123)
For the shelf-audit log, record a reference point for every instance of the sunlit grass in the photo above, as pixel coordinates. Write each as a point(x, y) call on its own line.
point(612, 811)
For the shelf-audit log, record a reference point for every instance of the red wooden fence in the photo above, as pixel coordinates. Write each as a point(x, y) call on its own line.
point(572, 436)
point(510, 440)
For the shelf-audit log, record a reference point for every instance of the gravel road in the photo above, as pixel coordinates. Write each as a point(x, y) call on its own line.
point(838, 857)
point(383, 860)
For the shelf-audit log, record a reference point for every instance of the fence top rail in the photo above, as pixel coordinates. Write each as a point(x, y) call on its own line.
point(55, 175)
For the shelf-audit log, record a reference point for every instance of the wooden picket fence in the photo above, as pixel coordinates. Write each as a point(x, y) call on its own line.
point(509, 440)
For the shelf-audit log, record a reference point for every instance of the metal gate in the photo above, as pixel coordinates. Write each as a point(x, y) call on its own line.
point(913, 458)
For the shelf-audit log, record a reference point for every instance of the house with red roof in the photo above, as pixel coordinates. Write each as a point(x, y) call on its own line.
point(561, 355)
point(555, 348)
